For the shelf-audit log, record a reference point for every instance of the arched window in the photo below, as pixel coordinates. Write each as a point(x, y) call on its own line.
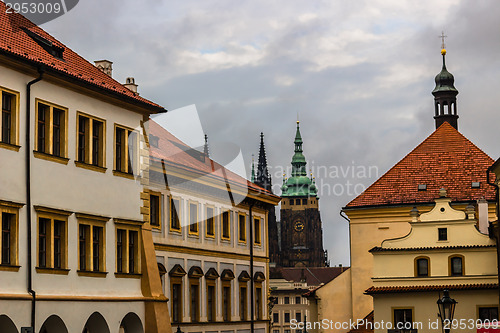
point(456, 265)
point(422, 267)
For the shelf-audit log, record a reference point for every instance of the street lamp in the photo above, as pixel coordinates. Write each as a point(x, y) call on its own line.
point(446, 306)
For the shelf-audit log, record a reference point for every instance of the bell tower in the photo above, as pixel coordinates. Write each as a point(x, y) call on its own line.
point(445, 95)
point(301, 228)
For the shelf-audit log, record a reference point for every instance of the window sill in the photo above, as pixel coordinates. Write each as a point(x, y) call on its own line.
point(53, 158)
point(10, 268)
point(90, 167)
point(123, 174)
point(128, 275)
point(175, 231)
point(92, 274)
point(208, 236)
point(47, 270)
point(225, 240)
point(9, 146)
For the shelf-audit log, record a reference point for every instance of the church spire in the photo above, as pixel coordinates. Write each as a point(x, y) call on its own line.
point(445, 95)
point(263, 178)
point(252, 177)
point(298, 159)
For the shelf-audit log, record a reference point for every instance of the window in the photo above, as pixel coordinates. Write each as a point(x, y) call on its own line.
point(51, 129)
point(176, 275)
point(297, 202)
point(243, 302)
point(292, 202)
point(193, 218)
point(442, 234)
point(52, 239)
point(456, 266)
point(127, 248)
point(125, 149)
point(242, 232)
point(402, 316)
point(298, 317)
point(257, 232)
point(226, 302)
point(174, 215)
point(9, 118)
point(225, 225)
point(154, 210)
point(287, 317)
point(297, 299)
point(91, 236)
point(276, 317)
point(286, 300)
point(9, 220)
point(195, 298)
point(304, 201)
point(422, 266)
point(211, 300)
point(91, 142)
point(210, 222)
point(489, 313)
point(258, 302)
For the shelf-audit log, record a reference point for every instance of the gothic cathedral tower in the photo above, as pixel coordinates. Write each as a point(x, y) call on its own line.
point(301, 230)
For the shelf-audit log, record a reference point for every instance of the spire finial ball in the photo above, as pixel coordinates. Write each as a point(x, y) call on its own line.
point(443, 51)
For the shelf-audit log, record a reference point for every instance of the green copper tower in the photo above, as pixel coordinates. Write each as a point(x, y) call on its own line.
point(298, 185)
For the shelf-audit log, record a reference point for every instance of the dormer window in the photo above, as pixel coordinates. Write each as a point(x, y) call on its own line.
point(476, 185)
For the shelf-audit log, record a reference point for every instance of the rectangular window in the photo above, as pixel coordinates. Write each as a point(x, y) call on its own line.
point(258, 303)
point(211, 302)
point(456, 266)
point(298, 317)
point(90, 143)
point(210, 222)
point(51, 130)
point(297, 299)
point(287, 317)
point(84, 232)
point(195, 296)
point(286, 300)
point(488, 313)
point(52, 245)
point(243, 303)
point(242, 232)
point(402, 316)
point(176, 295)
point(442, 234)
point(174, 214)
point(96, 248)
point(154, 210)
point(127, 251)
point(193, 218)
point(423, 267)
point(225, 225)
point(8, 239)
point(226, 303)
point(91, 235)
point(9, 117)
point(257, 231)
point(125, 149)
point(276, 317)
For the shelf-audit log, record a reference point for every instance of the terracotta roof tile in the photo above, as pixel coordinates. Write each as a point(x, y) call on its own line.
point(15, 41)
point(385, 249)
point(409, 289)
point(176, 153)
point(445, 159)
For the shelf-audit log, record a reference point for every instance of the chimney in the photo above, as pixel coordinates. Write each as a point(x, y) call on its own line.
point(130, 85)
point(105, 66)
point(482, 212)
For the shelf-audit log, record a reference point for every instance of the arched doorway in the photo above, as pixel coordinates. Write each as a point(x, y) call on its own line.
point(96, 324)
point(7, 325)
point(53, 324)
point(131, 323)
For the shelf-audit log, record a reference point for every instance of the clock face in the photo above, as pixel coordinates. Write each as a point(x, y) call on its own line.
point(299, 226)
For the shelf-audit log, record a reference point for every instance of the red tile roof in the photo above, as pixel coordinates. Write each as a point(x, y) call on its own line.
point(313, 276)
point(365, 327)
point(15, 42)
point(445, 159)
point(386, 249)
point(410, 289)
point(177, 154)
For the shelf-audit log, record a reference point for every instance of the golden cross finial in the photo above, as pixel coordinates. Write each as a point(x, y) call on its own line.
point(442, 39)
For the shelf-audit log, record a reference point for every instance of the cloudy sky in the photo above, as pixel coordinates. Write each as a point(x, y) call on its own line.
point(358, 73)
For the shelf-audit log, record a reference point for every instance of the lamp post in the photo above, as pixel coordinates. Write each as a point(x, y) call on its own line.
point(446, 306)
